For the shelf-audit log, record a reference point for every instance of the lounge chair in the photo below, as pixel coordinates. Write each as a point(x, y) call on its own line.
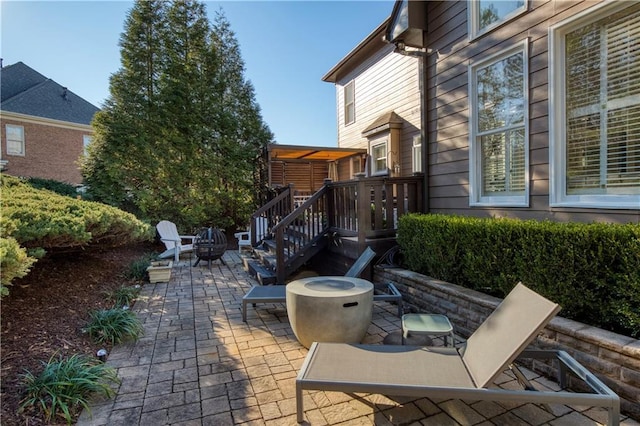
point(278, 293)
point(457, 373)
point(173, 241)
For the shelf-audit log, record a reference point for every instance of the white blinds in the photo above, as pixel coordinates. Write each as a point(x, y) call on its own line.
point(603, 105)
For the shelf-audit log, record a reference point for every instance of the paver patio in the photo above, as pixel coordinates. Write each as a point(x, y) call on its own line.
point(200, 364)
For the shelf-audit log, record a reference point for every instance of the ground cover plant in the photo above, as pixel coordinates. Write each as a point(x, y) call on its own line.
point(65, 384)
point(123, 296)
point(113, 326)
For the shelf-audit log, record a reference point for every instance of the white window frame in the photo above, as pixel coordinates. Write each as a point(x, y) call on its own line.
point(473, 16)
point(558, 196)
point(476, 198)
point(21, 152)
point(416, 154)
point(348, 102)
point(375, 171)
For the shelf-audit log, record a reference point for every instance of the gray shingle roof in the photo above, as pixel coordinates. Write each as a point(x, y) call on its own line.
point(26, 91)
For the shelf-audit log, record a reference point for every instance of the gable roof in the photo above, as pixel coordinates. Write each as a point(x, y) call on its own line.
point(26, 91)
point(372, 43)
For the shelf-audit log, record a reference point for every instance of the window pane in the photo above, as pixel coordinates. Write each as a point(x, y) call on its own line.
point(349, 103)
point(417, 155)
point(603, 105)
point(15, 139)
point(380, 158)
point(501, 93)
point(493, 11)
point(623, 148)
point(503, 163)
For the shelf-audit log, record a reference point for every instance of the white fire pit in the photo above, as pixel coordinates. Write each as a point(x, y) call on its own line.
point(329, 309)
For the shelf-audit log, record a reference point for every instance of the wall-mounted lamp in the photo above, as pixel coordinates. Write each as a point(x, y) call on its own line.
point(401, 48)
point(396, 168)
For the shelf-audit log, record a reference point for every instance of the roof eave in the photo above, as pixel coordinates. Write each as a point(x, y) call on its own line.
point(376, 35)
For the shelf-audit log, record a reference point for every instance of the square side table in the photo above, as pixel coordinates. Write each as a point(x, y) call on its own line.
point(429, 324)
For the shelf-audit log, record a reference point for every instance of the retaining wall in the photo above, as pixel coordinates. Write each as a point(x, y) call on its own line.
point(614, 358)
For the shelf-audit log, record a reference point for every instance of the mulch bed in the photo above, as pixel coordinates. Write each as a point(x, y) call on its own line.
point(46, 310)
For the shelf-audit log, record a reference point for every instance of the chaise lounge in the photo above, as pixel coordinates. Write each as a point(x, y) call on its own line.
point(278, 293)
point(459, 373)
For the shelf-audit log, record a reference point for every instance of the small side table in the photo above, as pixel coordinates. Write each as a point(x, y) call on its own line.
point(429, 324)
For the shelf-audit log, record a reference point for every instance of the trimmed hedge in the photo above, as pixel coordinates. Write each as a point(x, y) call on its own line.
point(41, 218)
point(591, 270)
point(34, 220)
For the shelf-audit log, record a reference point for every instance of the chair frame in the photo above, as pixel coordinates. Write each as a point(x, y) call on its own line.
point(477, 362)
point(176, 240)
point(278, 293)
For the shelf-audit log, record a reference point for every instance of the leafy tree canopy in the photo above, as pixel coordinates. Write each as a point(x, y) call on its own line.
point(180, 136)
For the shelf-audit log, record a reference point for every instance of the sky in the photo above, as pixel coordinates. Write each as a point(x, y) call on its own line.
point(287, 47)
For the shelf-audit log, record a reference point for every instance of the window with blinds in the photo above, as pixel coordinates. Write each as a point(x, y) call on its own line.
point(498, 123)
point(15, 139)
point(416, 154)
point(349, 103)
point(603, 105)
point(594, 109)
point(379, 158)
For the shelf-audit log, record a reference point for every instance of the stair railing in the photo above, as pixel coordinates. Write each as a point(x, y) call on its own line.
point(269, 215)
point(301, 229)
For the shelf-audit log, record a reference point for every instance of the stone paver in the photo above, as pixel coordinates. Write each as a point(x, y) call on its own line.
point(200, 364)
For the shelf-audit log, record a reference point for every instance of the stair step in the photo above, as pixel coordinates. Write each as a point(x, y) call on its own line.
point(263, 275)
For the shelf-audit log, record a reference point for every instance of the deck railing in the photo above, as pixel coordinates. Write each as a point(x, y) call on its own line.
point(370, 207)
point(366, 208)
point(266, 217)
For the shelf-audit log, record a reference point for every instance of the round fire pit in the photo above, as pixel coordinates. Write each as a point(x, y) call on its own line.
point(210, 244)
point(329, 309)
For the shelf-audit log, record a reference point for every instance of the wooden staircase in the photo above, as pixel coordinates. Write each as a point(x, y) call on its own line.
point(298, 235)
point(364, 210)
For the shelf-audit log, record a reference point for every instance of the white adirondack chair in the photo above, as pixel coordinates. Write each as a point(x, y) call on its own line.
point(244, 238)
point(173, 241)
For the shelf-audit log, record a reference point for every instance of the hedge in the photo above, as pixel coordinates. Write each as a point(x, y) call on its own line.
point(40, 220)
point(591, 270)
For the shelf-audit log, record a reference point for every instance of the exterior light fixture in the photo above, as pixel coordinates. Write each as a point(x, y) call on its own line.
point(407, 24)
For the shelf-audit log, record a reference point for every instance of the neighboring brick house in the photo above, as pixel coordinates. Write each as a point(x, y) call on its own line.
point(45, 126)
point(529, 109)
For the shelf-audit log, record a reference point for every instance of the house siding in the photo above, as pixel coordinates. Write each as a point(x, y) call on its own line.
point(41, 159)
point(447, 104)
point(385, 82)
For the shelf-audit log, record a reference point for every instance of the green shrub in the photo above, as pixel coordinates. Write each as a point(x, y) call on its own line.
point(65, 385)
point(123, 296)
point(34, 221)
point(113, 326)
point(37, 218)
point(591, 270)
point(137, 269)
point(58, 187)
point(14, 262)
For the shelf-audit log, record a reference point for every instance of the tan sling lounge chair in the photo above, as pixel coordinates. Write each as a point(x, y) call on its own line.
point(458, 373)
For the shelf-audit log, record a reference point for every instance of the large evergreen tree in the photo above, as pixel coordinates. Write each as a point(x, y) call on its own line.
point(180, 136)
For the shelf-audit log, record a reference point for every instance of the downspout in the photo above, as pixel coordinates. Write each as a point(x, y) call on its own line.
point(423, 68)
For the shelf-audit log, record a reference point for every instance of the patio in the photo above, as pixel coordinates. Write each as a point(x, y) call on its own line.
point(200, 364)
